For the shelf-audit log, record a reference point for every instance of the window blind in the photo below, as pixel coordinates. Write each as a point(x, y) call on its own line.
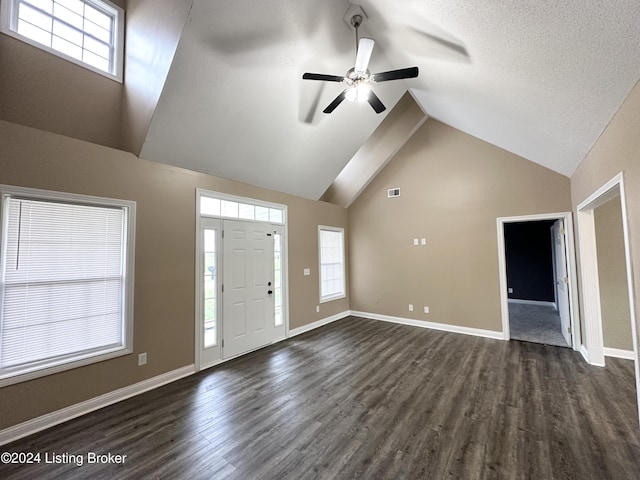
point(62, 282)
point(332, 279)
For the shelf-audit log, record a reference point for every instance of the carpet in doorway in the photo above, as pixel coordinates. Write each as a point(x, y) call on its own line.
point(535, 323)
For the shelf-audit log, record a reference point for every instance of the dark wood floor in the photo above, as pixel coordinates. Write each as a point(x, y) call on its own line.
point(367, 399)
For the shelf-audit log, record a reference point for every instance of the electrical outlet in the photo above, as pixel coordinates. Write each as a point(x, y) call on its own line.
point(317, 308)
point(415, 241)
point(423, 241)
point(142, 358)
point(426, 309)
point(411, 307)
point(307, 271)
point(510, 290)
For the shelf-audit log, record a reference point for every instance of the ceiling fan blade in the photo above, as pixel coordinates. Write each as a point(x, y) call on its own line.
point(337, 101)
point(365, 48)
point(410, 72)
point(375, 102)
point(323, 77)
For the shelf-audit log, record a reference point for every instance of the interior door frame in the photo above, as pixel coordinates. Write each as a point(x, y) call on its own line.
point(594, 347)
point(567, 218)
point(281, 228)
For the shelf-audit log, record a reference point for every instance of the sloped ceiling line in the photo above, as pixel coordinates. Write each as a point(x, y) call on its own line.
point(540, 79)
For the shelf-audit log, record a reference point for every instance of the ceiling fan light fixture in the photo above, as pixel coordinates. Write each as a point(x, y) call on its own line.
point(358, 93)
point(358, 78)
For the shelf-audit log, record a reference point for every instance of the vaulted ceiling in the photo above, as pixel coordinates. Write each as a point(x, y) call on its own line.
point(539, 78)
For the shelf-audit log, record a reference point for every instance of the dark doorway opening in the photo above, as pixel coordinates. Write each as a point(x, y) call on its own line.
point(532, 282)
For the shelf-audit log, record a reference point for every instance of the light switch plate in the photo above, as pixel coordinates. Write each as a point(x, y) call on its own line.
point(307, 271)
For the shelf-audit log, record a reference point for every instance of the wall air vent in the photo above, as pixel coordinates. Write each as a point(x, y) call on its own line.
point(393, 192)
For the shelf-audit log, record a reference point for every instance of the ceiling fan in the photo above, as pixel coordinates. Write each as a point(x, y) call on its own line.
point(358, 78)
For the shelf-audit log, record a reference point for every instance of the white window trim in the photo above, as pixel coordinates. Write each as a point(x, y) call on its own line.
point(7, 8)
point(41, 369)
point(338, 296)
point(238, 199)
point(281, 228)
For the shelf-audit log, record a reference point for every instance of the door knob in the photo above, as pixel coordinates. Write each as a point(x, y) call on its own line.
point(269, 292)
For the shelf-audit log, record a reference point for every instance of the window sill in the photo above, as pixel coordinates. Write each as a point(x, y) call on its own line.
point(332, 298)
point(19, 377)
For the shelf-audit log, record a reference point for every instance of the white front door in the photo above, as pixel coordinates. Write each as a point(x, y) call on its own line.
point(248, 287)
point(561, 279)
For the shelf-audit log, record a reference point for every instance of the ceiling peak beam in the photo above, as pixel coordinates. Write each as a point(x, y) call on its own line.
point(395, 130)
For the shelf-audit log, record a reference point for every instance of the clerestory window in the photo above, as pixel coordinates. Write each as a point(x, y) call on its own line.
point(87, 32)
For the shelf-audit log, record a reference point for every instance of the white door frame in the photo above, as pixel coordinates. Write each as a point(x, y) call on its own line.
point(567, 217)
point(282, 229)
point(593, 348)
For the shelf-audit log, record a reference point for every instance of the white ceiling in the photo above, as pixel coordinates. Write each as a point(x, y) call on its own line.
point(540, 78)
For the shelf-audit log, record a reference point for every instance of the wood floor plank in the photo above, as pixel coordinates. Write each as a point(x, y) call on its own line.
point(366, 399)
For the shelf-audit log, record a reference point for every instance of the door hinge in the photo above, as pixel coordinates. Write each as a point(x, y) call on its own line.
point(562, 231)
point(566, 280)
point(569, 329)
point(222, 233)
point(222, 288)
point(223, 343)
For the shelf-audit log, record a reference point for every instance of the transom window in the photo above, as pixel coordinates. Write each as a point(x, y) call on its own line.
point(249, 210)
point(65, 286)
point(87, 32)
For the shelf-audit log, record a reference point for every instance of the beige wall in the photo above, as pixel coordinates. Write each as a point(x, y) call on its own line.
point(165, 253)
point(612, 276)
point(617, 150)
point(153, 32)
point(454, 186)
point(44, 91)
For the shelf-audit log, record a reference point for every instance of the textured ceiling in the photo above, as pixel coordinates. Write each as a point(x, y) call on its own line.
point(538, 78)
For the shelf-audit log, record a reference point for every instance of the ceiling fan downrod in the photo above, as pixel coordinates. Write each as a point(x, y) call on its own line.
point(356, 21)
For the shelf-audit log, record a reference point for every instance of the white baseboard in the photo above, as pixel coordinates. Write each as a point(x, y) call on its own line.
point(619, 353)
point(433, 326)
point(585, 353)
point(532, 302)
point(48, 420)
point(59, 416)
point(318, 323)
